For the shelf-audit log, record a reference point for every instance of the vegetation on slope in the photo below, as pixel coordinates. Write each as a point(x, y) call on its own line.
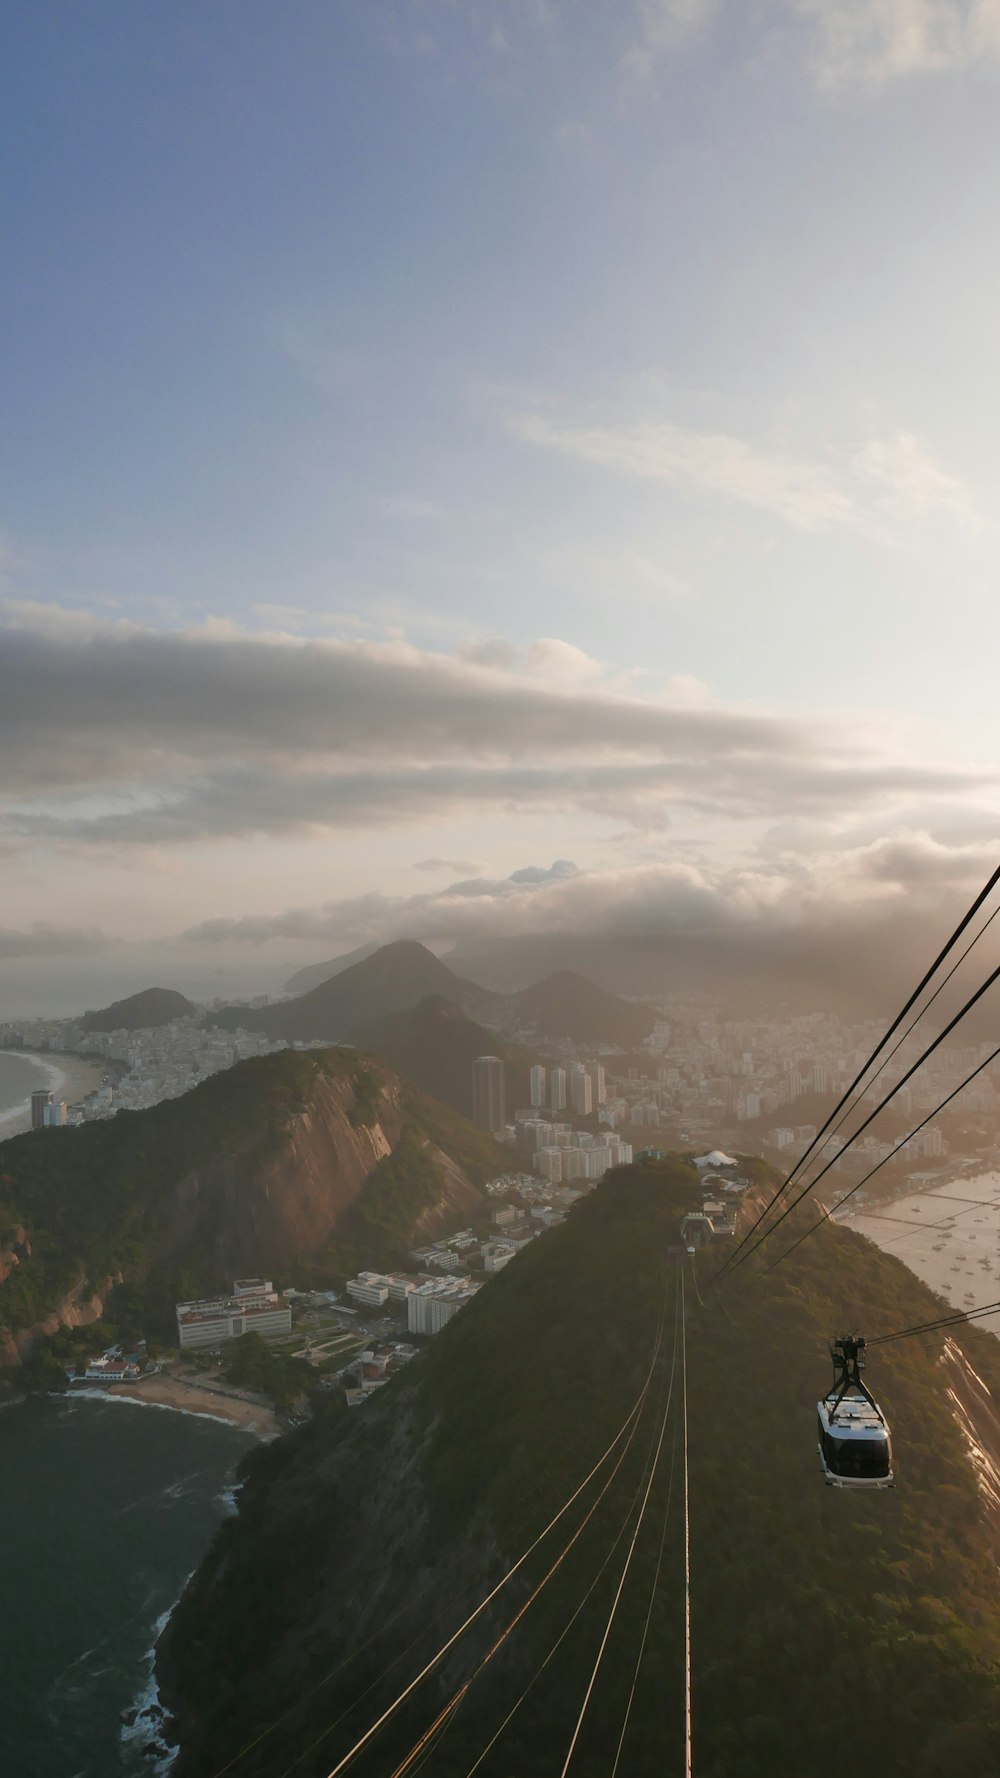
point(391, 980)
point(822, 1620)
point(435, 1044)
point(377, 1230)
point(110, 1197)
point(140, 1012)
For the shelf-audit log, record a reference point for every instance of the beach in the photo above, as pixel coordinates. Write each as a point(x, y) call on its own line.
point(212, 1401)
point(948, 1234)
point(67, 1077)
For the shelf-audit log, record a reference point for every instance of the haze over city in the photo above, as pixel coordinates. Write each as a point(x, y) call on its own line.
point(447, 443)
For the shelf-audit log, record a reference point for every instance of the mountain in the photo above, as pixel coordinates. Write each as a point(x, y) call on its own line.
point(363, 1541)
point(393, 979)
point(434, 1045)
point(307, 1162)
point(140, 1012)
point(315, 974)
point(567, 1005)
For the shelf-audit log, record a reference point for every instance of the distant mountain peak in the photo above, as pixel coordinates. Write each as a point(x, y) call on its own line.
point(140, 1012)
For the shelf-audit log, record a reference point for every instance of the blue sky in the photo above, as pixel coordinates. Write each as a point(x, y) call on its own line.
point(666, 331)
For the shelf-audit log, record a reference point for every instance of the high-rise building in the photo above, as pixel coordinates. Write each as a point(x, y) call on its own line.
point(581, 1091)
point(40, 1103)
point(557, 1089)
point(538, 1085)
point(596, 1072)
point(488, 1106)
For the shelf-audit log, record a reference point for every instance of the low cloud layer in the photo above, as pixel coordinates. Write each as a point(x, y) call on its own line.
point(117, 734)
point(907, 871)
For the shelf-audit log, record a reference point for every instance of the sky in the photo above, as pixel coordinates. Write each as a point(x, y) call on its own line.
point(477, 467)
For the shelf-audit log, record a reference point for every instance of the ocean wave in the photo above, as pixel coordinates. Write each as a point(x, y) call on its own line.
point(145, 1722)
point(141, 1401)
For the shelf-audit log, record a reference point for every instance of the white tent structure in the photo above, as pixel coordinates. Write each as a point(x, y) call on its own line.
point(715, 1159)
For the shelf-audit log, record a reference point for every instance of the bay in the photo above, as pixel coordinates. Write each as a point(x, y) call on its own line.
point(105, 1509)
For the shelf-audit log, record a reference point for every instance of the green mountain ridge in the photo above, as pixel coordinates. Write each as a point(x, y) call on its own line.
point(396, 978)
point(260, 1168)
point(434, 1045)
point(830, 1629)
point(140, 1012)
point(392, 979)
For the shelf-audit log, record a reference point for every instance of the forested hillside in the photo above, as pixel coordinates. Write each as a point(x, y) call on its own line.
point(830, 1631)
point(258, 1169)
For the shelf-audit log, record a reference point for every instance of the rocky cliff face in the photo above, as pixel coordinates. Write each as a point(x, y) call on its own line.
point(262, 1211)
point(251, 1172)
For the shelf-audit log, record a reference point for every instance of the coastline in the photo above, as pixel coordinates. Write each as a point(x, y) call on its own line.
point(178, 1396)
point(67, 1076)
point(956, 1250)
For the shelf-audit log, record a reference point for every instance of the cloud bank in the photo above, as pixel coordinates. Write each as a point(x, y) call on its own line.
point(124, 735)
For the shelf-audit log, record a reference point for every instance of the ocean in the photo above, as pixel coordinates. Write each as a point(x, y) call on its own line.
point(106, 1507)
point(948, 1233)
point(19, 1078)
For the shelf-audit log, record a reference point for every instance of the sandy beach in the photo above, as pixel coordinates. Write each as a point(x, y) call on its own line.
point(67, 1077)
point(948, 1234)
point(215, 1401)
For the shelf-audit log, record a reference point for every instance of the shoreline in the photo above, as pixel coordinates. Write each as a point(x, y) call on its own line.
point(67, 1076)
point(956, 1251)
point(176, 1395)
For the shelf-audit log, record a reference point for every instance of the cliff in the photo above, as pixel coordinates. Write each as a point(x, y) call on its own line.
point(363, 1541)
point(254, 1171)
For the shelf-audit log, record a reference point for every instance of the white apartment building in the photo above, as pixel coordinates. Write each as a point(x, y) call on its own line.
point(213, 1320)
point(369, 1288)
point(431, 1306)
point(497, 1254)
point(537, 1078)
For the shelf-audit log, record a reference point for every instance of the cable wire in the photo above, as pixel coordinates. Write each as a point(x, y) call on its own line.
point(829, 1212)
point(891, 1094)
point(649, 1609)
point(440, 1722)
point(564, 1632)
point(953, 1320)
point(897, 1046)
point(687, 1547)
point(893, 1028)
point(407, 1691)
point(624, 1573)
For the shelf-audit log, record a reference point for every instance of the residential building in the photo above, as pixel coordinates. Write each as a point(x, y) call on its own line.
point(581, 1090)
point(213, 1320)
point(557, 1089)
point(431, 1306)
point(538, 1085)
point(488, 1109)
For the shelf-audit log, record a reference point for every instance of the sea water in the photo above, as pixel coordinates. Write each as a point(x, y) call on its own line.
point(105, 1509)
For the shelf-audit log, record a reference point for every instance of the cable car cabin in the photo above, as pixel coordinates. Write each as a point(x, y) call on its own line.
point(855, 1446)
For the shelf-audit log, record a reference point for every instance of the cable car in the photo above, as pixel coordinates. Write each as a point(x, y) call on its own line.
point(855, 1445)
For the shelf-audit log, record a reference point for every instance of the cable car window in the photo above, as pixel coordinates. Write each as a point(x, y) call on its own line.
point(861, 1457)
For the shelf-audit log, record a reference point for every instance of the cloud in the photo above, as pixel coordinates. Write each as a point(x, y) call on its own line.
point(909, 481)
point(802, 495)
point(44, 940)
point(455, 866)
point(845, 43)
point(116, 734)
point(872, 42)
point(665, 26)
point(895, 476)
point(907, 874)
